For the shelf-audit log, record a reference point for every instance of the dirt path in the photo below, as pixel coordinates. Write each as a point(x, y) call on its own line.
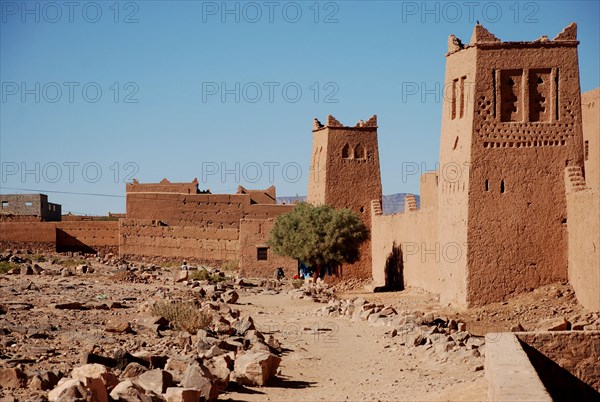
point(348, 360)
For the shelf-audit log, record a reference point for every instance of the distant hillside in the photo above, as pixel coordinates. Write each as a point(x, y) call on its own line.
point(392, 203)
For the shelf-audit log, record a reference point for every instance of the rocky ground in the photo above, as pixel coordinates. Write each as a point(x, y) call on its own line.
point(78, 329)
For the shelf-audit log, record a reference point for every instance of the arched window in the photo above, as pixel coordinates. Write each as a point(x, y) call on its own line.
point(359, 152)
point(346, 152)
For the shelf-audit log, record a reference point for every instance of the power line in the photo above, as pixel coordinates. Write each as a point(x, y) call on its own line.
point(63, 192)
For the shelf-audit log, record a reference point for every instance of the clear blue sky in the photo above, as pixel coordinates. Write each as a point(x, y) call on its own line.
point(179, 66)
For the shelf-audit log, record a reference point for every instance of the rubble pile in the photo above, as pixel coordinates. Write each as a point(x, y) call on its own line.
point(318, 292)
point(441, 334)
point(77, 339)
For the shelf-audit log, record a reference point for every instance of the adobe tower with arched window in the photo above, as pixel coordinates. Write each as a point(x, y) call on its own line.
point(344, 173)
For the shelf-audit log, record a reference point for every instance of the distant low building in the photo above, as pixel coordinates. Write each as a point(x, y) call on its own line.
point(29, 207)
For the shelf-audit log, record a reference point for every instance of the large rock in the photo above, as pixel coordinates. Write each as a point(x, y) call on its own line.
point(176, 365)
point(128, 391)
point(559, 325)
point(181, 275)
point(199, 377)
point(118, 327)
point(133, 369)
point(213, 352)
point(183, 395)
point(243, 325)
point(156, 381)
point(96, 378)
point(255, 368)
point(220, 367)
point(69, 389)
point(70, 306)
point(205, 341)
point(81, 269)
point(253, 336)
point(230, 296)
point(12, 378)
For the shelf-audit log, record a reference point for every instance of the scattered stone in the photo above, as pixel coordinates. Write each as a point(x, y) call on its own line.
point(70, 306)
point(199, 377)
point(579, 326)
point(69, 389)
point(562, 325)
point(133, 370)
point(460, 336)
point(156, 381)
point(181, 275)
point(37, 270)
point(128, 391)
point(183, 395)
point(220, 368)
point(12, 378)
point(255, 368)
point(119, 327)
point(81, 269)
point(88, 358)
point(97, 379)
point(243, 325)
point(230, 297)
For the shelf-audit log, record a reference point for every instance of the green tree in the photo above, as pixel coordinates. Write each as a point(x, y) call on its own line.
point(318, 235)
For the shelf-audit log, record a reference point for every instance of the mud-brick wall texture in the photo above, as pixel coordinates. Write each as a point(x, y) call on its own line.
point(583, 210)
point(406, 242)
point(151, 238)
point(345, 173)
point(578, 352)
point(208, 210)
point(253, 235)
point(36, 235)
point(87, 236)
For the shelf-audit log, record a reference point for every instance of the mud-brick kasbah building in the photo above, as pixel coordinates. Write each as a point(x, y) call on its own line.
point(514, 205)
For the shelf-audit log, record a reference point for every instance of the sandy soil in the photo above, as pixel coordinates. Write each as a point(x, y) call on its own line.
point(348, 360)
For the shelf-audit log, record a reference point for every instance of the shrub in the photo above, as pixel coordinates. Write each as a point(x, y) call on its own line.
point(203, 275)
point(6, 266)
point(70, 263)
point(229, 266)
point(182, 316)
point(39, 258)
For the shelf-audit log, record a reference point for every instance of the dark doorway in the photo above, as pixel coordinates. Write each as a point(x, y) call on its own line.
point(394, 271)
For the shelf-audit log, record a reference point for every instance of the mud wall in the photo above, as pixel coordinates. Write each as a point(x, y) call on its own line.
point(576, 352)
point(407, 243)
point(36, 235)
point(583, 210)
point(151, 238)
point(253, 235)
point(87, 236)
point(218, 211)
point(590, 112)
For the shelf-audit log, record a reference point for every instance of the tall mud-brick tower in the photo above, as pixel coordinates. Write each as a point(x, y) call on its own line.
point(345, 173)
point(511, 126)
